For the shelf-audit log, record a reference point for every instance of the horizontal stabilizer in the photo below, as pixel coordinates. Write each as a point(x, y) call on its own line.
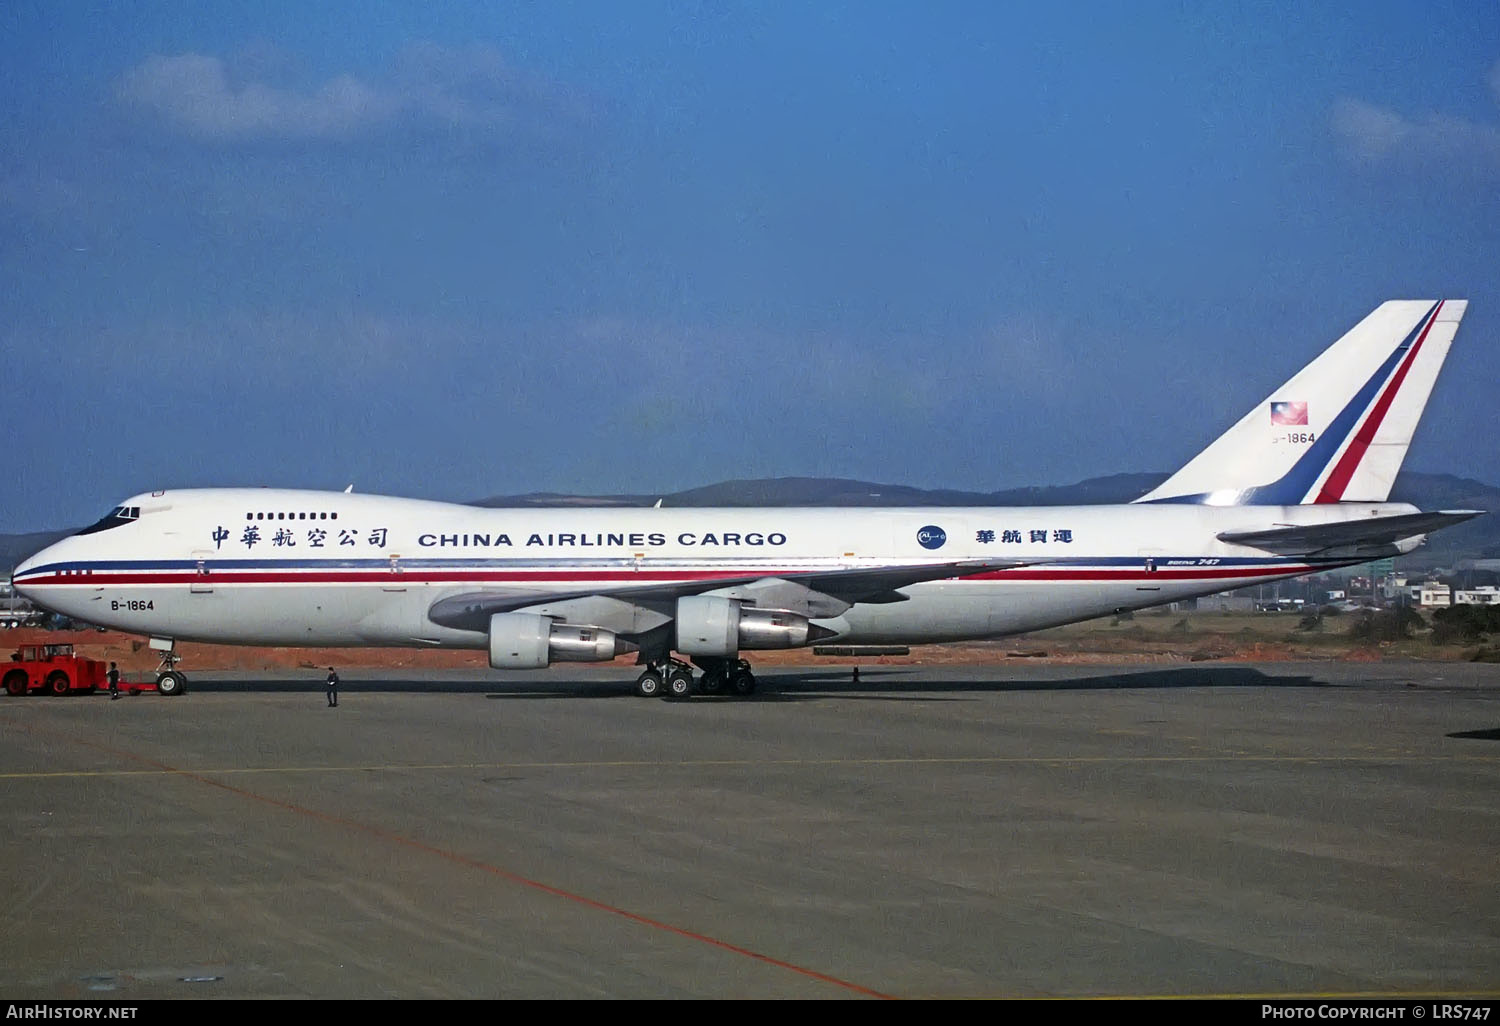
point(1375, 536)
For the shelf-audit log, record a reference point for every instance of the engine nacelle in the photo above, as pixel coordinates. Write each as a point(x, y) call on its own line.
point(717, 627)
point(529, 641)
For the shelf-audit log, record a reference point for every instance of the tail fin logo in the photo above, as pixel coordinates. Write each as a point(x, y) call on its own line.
point(1294, 414)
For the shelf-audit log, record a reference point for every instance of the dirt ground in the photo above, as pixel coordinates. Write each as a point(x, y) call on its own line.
point(1146, 638)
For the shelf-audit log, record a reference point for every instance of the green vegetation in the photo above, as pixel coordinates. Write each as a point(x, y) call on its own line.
point(1466, 623)
point(1462, 632)
point(1386, 624)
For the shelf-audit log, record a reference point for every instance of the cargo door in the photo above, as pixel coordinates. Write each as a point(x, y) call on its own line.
point(395, 582)
point(1151, 560)
point(202, 579)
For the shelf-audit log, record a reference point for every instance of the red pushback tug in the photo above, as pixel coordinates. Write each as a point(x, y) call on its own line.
point(54, 670)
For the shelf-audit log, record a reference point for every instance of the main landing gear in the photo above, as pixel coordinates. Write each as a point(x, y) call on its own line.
point(672, 679)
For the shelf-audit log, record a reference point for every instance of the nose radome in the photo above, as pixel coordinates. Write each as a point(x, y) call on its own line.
point(20, 572)
point(27, 568)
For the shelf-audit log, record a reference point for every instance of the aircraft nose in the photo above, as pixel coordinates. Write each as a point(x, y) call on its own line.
point(18, 576)
point(28, 571)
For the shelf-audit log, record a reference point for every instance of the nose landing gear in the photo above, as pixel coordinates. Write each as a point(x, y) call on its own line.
point(169, 680)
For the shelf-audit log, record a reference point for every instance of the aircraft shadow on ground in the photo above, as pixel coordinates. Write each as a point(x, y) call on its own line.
point(1493, 734)
point(875, 684)
point(840, 684)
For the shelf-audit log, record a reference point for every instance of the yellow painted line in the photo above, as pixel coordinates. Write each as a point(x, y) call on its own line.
point(658, 764)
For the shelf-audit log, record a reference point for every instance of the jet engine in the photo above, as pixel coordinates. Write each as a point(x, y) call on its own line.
point(529, 641)
point(717, 627)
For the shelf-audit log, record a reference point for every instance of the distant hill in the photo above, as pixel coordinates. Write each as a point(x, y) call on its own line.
point(1479, 538)
point(825, 491)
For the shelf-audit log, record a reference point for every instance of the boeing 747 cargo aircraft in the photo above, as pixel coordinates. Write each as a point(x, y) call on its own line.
point(1297, 486)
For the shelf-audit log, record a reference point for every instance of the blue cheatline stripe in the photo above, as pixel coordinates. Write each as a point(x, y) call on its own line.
point(1297, 483)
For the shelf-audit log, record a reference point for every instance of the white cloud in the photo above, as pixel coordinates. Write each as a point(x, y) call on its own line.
point(194, 93)
point(1376, 135)
point(430, 88)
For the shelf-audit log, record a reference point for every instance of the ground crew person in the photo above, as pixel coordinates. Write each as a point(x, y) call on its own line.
point(333, 689)
point(113, 676)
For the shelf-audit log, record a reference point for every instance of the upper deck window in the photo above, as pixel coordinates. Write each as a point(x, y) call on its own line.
point(263, 515)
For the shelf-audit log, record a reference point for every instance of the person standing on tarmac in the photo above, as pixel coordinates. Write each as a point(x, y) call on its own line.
point(113, 676)
point(333, 689)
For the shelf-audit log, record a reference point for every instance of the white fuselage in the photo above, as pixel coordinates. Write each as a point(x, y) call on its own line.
point(283, 567)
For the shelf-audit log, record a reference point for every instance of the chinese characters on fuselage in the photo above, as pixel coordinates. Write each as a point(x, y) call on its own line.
point(1036, 535)
point(285, 537)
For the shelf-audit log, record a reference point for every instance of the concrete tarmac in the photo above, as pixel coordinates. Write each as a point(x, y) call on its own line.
point(1010, 830)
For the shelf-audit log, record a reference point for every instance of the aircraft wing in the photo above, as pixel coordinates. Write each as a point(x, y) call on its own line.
point(1374, 536)
point(472, 610)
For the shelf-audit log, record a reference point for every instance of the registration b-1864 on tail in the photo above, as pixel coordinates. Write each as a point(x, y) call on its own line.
point(1299, 485)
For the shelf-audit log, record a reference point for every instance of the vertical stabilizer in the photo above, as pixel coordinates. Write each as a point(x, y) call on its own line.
point(1339, 429)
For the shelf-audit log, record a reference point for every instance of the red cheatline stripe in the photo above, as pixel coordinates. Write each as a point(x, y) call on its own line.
point(1142, 575)
point(103, 577)
point(493, 870)
point(1333, 488)
point(544, 577)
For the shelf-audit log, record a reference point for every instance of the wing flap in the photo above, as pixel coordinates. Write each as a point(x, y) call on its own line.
point(472, 610)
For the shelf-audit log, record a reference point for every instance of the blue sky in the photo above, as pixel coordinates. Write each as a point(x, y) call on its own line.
point(458, 250)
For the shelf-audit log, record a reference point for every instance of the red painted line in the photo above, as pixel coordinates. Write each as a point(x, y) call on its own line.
point(546, 577)
point(1135, 575)
point(485, 867)
point(1333, 488)
point(386, 577)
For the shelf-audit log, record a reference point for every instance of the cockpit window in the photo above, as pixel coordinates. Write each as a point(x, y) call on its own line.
point(117, 517)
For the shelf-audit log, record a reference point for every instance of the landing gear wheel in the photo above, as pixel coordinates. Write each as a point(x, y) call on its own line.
point(57, 684)
point(742, 682)
point(712, 682)
point(649, 684)
point(679, 684)
point(15, 683)
point(171, 683)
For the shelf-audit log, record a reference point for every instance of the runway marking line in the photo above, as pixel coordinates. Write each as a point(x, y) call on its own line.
point(978, 760)
point(485, 867)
